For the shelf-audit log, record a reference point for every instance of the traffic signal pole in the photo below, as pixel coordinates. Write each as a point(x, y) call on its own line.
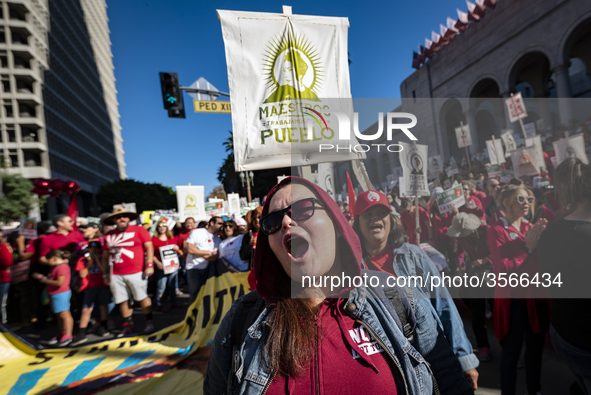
point(204, 91)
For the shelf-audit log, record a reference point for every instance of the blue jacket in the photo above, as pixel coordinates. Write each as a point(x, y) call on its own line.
point(410, 260)
point(427, 366)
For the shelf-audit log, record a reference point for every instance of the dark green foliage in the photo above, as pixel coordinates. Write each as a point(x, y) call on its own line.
point(17, 198)
point(145, 196)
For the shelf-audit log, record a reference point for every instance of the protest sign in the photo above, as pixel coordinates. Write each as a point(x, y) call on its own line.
point(516, 107)
point(130, 207)
point(190, 200)
point(451, 170)
point(530, 129)
point(397, 173)
point(93, 220)
point(402, 188)
point(506, 176)
point(169, 259)
point(572, 147)
point(413, 159)
point(446, 184)
point(147, 216)
point(536, 142)
point(234, 203)
point(435, 165)
point(280, 70)
point(214, 208)
point(19, 272)
point(494, 171)
point(463, 136)
point(495, 152)
point(28, 228)
point(524, 162)
point(326, 178)
point(450, 198)
point(509, 142)
point(554, 161)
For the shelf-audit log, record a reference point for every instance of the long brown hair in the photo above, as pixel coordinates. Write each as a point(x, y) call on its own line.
point(573, 179)
point(251, 216)
point(168, 233)
point(292, 340)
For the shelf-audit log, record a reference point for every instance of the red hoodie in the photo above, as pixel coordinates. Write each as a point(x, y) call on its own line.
point(347, 359)
point(5, 263)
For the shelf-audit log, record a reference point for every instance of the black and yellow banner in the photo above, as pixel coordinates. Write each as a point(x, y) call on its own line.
point(169, 361)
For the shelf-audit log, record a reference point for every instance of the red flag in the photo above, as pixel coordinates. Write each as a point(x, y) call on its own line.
point(352, 197)
point(73, 210)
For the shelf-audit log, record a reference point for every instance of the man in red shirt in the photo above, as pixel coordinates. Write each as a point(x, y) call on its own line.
point(407, 217)
point(125, 247)
point(65, 238)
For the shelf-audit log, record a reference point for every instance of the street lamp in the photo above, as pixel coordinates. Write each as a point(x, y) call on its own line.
point(249, 178)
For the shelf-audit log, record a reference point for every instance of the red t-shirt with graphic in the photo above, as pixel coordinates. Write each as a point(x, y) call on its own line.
point(94, 279)
point(60, 270)
point(126, 249)
point(384, 261)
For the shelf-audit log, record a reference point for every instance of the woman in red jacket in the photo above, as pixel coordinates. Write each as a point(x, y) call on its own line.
point(5, 264)
point(512, 243)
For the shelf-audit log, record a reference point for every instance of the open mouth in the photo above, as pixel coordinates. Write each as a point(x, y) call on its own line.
point(375, 228)
point(297, 247)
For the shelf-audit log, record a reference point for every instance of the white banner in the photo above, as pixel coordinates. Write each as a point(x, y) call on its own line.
point(463, 136)
point(524, 162)
point(28, 228)
point(572, 147)
point(280, 69)
point(536, 142)
point(435, 165)
point(516, 107)
point(190, 202)
point(509, 141)
point(413, 159)
point(496, 156)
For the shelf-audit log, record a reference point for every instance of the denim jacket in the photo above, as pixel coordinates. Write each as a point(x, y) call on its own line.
point(427, 366)
point(410, 260)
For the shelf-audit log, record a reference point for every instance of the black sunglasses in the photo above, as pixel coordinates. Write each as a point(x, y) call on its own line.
point(298, 211)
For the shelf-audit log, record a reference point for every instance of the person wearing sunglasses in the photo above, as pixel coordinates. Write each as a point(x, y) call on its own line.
point(491, 210)
point(383, 242)
point(301, 340)
point(517, 313)
point(229, 248)
point(162, 237)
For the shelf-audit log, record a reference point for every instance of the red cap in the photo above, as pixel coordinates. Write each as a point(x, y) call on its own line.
point(368, 199)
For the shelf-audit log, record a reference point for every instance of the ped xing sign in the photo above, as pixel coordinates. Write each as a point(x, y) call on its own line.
point(222, 107)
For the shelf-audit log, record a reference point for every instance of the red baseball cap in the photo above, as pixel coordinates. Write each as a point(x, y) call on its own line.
point(368, 199)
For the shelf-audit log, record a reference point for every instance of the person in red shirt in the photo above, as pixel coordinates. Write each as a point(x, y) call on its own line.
point(58, 288)
point(409, 221)
point(164, 237)
point(517, 314)
point(188, 227)
point(249, 242)
point(6, 261)
point(473, 204)
point(128, 250)
point(64, 238)
point(95, 291)
point(475, 192)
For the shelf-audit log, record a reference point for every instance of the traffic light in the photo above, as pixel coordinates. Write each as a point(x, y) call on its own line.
point(172, 96)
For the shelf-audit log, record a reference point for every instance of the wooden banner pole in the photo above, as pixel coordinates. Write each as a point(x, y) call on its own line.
point(417, 224)
point(467, 153)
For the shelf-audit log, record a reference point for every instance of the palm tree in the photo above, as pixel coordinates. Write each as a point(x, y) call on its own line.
point(226, 173)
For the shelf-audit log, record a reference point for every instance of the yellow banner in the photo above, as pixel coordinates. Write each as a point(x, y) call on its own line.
point(168, 360)
point(212, 106)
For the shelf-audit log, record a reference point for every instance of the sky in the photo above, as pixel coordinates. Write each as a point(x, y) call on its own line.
point(184, 36)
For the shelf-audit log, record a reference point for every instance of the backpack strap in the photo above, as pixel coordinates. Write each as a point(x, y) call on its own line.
point(394, 297)
point(246, 313)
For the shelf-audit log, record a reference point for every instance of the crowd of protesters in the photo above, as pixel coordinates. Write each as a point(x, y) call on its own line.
point(98, 271)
